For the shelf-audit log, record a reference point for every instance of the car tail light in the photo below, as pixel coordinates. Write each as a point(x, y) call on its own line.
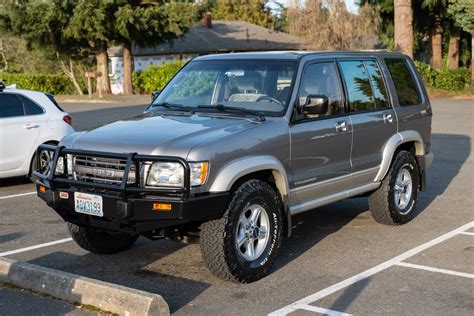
point(67, 119)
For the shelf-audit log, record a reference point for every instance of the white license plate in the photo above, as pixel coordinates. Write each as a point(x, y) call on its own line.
point(88, 204)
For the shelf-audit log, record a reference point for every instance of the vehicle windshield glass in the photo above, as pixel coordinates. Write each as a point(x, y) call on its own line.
point(257, 85)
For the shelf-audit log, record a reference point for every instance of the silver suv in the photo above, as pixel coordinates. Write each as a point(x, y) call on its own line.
point(236, 144)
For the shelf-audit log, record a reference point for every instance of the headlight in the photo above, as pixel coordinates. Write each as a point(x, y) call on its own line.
point(198, 173)
point(60, 165)
point(166, 174)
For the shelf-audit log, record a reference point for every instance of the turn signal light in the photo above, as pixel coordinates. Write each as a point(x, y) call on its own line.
point(42, 188)
point(161, 207)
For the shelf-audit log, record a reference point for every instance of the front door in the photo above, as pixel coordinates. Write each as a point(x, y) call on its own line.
point(320, 144)
point(373, 119)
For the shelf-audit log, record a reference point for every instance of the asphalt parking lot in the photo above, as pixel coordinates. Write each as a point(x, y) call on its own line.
point(338, 260)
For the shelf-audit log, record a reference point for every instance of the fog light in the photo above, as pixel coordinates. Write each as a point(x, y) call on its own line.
point(161, 207)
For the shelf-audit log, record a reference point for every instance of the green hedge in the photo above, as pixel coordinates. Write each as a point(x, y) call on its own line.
point(155, 77)
point(54, 84)
point(444, 79)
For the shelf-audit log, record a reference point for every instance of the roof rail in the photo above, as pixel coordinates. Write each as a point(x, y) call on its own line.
point(2, 84)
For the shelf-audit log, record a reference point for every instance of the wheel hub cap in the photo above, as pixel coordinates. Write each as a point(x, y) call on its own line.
point(403, 189)
point(252, 232)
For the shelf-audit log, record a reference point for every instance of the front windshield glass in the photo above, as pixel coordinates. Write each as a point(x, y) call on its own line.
point(256, 85)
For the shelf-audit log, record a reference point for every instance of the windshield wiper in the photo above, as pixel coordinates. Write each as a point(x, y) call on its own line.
point(222, 108)
point(174, 105)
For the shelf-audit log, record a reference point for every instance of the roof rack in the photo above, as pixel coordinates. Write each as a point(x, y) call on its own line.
point(2, 85)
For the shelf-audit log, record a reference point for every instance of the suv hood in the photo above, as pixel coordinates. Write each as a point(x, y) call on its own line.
point(155, 134)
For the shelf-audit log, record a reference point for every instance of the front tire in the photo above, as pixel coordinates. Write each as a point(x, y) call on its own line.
point(243, 245)
point(101, 241)
point(394, 203)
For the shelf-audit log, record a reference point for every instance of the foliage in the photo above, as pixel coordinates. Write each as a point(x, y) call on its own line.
point(444, 79)
point(54, 84)
point(252, 11)
point(463, 13)
point(327, 25)
point(155, 77)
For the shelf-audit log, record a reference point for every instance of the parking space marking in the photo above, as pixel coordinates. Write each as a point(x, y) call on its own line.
point(321, 310)
point(467, 233)
point(16, 195)
point(47, 244)
point(432, 269)
point(370, 272)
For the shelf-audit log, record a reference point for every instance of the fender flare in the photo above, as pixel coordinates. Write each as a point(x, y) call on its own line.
point(391, 146)
point(236, 169)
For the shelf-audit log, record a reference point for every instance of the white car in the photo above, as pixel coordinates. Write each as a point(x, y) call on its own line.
point(27, 120)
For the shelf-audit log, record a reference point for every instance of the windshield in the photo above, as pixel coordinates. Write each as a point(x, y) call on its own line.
point(257, 85)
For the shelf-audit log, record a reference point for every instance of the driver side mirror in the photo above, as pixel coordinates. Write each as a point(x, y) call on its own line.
point(154, 94)
point(315, 104)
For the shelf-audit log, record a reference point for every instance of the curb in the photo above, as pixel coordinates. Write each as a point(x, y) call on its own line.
point(77, 289)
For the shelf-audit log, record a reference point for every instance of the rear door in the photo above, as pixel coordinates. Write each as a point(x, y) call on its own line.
point(320, 144)
point(19, 131)
point(373, 119)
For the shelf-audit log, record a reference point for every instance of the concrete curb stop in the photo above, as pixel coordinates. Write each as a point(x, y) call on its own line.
point(77, 289)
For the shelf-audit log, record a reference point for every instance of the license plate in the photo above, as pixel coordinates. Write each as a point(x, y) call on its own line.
point(88, 204)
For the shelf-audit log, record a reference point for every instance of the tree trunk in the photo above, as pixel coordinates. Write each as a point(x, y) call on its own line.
point(127, 69)
point(69, 72)
point(404, 27)
point(436, 41)
point(103, 83)
point(472, 58)
point(453, 50)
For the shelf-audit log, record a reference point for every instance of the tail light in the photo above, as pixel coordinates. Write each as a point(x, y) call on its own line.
point(67, 119)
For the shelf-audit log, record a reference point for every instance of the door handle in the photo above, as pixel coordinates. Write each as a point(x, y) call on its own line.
point(388, 118)
point(341, 126)
point(29, 126)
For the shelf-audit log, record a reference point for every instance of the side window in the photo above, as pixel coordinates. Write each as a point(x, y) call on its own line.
point(10, 105)
point(321, 78)
point(407, 91)
point(359, 91)
point(378, 85)
point(31, 108)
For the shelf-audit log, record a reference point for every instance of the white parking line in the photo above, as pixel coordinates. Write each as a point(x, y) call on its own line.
point(432, 269)
point(16, 195)
point(368, 273)
point(467, 233)
point(47, 244)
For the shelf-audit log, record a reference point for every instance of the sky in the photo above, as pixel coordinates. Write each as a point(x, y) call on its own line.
point(351, 4)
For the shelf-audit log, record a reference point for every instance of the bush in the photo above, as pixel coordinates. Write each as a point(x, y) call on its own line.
point(155, 77)
point(444, 79)
point(54, 84)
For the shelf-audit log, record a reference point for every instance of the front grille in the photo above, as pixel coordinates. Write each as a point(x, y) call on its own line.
point(101, 170)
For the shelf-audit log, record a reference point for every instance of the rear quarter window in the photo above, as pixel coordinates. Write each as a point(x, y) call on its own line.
point(404, 82)
point(31, 108)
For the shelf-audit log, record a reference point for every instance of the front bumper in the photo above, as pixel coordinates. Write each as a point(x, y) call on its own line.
point(137, 215)
point(127, 205)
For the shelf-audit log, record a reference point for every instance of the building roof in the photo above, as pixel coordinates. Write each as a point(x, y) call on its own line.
point(223, 36)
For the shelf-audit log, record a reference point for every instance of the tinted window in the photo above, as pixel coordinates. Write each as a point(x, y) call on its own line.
point(10, 105)
point(52, 99)
point(404, 84)
point(31, 108)
point(321, 78)
point(359, 91)
point(378, 85)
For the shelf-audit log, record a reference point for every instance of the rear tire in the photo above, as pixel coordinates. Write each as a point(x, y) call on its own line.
point(243, 245)
point(394, 203)
point(101, 241)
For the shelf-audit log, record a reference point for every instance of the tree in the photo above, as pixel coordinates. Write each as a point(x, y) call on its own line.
point(92, 24)
point(324, 25)
point(437, 10)
point(21, 18)
point(403, 21)
point(252, 11)
point(462, 12)
point(146, 24)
